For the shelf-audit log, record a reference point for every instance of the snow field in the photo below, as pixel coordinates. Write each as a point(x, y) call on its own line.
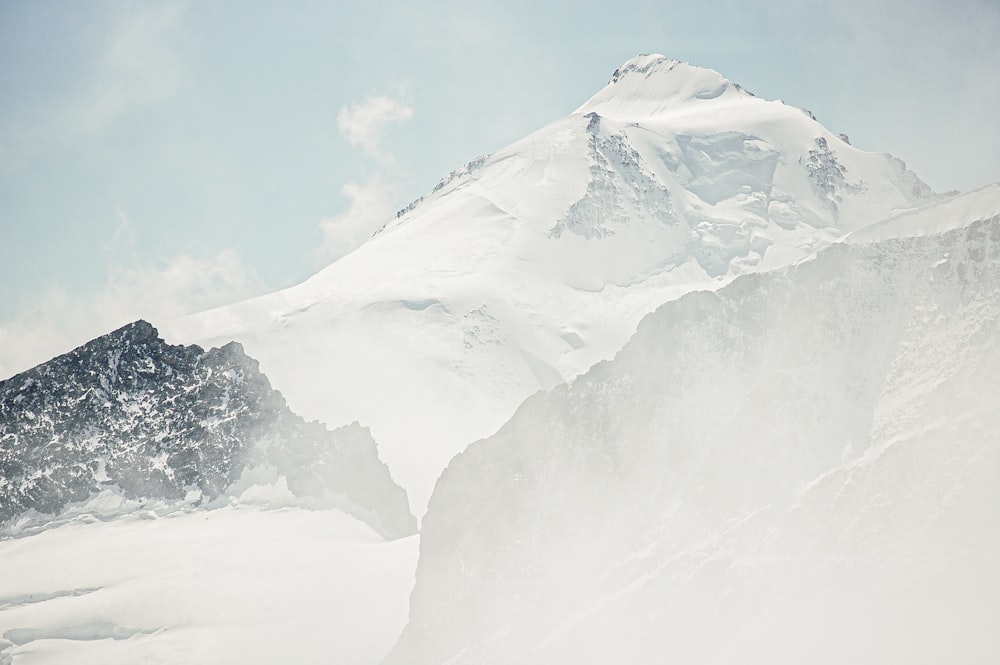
point(237, 585)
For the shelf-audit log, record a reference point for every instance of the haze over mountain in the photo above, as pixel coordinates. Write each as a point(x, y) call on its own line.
point(800, 467)
point(133, 420)
point(524, 268)
point(162, 504)
point(704, 381)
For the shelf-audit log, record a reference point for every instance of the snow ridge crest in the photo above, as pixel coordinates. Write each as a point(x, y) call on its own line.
point(650, 84)
point(644, 63)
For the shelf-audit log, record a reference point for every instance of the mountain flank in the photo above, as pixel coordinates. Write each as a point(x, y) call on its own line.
point(130, 413)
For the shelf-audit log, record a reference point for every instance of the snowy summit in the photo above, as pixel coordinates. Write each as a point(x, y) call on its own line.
point(523, 268)
point(653, 85)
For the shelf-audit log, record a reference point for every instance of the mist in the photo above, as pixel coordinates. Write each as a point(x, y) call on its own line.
point(335, 333)
point(801, 467)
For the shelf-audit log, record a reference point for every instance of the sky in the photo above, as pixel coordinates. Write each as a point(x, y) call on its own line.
point(158, 158)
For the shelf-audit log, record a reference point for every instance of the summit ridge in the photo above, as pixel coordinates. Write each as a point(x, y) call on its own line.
point(652, 84)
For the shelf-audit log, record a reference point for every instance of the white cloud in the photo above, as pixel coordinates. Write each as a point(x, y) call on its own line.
point(363, 124)
point(371, 201)
point(369, 209)
point(61, 320)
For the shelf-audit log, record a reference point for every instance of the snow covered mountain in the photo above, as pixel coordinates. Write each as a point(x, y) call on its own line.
point(135, 421)
point(791, 457)
point(161, 504)
point(802, 466)
point(525, 267)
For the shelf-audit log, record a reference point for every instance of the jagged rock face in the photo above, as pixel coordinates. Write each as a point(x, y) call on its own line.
point(161, 421)
point(621, 188)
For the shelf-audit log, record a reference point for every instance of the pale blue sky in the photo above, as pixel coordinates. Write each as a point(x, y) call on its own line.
point(183, 153)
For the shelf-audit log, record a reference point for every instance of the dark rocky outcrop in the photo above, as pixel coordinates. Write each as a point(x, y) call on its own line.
point(160, 422)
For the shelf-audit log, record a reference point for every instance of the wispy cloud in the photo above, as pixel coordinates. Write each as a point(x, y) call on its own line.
point(62, 319)
point(139, 66)
point(134, 63)
point(370, 207)
point(363, 125)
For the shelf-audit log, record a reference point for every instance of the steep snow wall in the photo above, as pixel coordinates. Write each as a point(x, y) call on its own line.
point(803, 466)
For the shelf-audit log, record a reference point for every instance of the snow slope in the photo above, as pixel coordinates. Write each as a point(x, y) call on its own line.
point(525, 267)
point(240, 585)
point(802, 466)
point(954, 212)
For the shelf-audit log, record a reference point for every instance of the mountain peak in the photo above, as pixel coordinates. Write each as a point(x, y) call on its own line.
point(644, 63)
point(149, 421)
point(652, 84)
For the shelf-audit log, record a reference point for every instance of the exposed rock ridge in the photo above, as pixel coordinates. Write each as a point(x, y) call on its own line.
point(157, 421)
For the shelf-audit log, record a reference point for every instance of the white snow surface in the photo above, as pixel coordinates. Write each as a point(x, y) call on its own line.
point(238, 585)
point(800, 467)
point(951, 213)
point(525, 267)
